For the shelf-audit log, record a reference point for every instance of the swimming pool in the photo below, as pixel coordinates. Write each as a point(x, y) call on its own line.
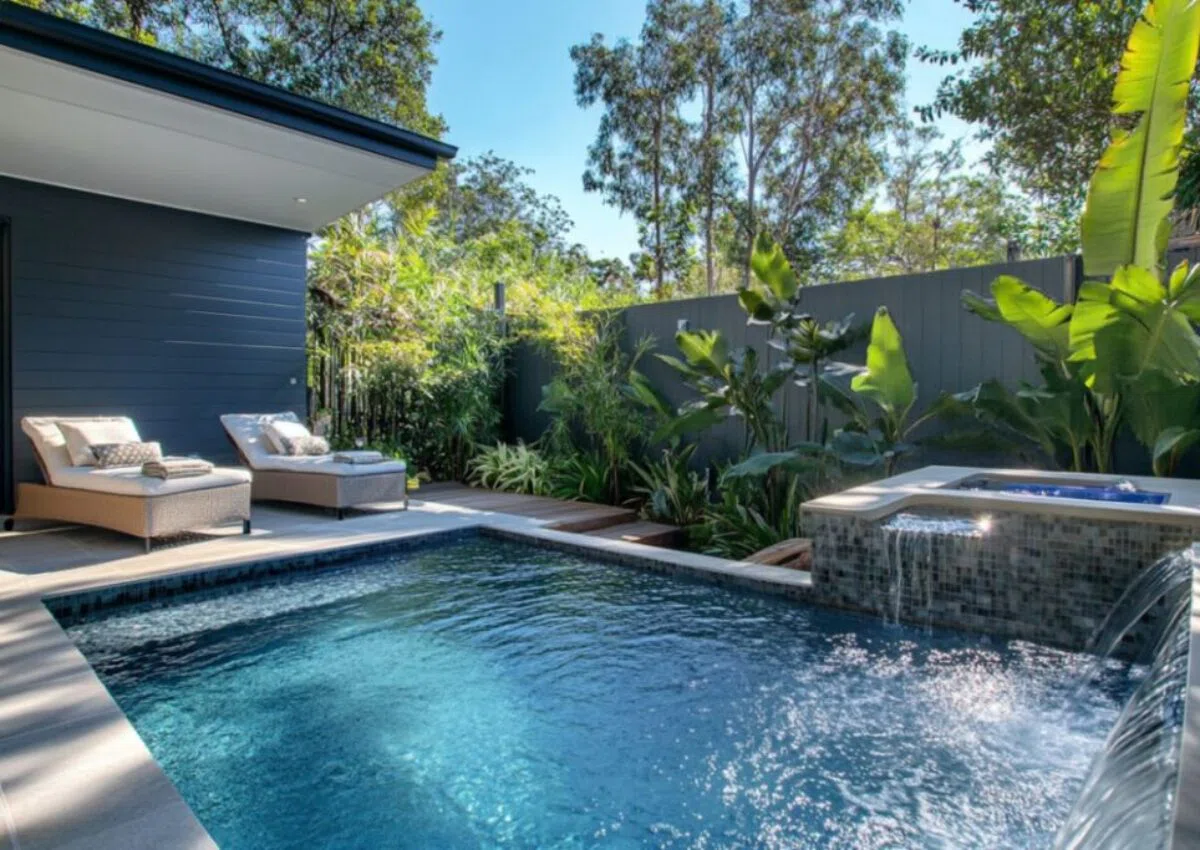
point(490, 694)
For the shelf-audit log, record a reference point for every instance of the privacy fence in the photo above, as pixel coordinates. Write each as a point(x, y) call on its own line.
point(948, 348)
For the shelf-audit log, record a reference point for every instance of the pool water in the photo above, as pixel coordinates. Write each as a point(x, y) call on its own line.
point(493, 695)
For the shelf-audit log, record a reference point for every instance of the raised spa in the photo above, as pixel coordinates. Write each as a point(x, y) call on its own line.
point(489, 694)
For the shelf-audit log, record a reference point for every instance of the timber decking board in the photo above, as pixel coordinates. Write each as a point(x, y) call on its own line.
point(607, 521)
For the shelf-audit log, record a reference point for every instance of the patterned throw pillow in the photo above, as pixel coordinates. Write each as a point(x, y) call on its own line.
point(111, 455)
point(307, 445)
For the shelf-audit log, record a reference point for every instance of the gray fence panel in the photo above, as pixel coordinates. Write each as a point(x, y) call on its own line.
point(949, 350)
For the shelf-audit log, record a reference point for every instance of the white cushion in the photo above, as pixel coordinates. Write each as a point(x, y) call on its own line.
point(48, 440)
point(279, 431)
point(129, 481)
point(246, 429)
point(81, 436)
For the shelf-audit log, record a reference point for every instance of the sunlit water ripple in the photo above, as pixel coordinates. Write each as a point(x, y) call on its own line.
point(486, 694)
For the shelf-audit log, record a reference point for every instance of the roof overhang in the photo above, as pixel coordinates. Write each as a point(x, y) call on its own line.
point(91, 111)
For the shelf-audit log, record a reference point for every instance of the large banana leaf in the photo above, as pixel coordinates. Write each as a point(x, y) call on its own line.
point(1137, 325)
point(1033, 314)
point(887, 380)
point(1130, 196)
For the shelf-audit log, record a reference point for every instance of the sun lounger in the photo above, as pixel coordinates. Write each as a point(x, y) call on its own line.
point(123, 498)
point(317, 480)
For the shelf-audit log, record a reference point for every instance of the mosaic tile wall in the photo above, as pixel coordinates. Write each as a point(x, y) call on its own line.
point(1041, 578)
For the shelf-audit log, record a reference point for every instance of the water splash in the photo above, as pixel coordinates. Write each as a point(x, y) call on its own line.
point(913, 557)
point(1129, 793)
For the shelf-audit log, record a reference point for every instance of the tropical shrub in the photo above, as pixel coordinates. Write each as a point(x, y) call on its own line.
point(670, 489)
point(1126, 350)
point(515, 468)
point(596, 409)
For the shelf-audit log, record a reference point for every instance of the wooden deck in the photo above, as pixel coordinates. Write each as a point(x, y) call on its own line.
point(607, 521)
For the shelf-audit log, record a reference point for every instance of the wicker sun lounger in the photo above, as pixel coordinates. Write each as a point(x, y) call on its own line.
point(123, 499)
point(313, 480)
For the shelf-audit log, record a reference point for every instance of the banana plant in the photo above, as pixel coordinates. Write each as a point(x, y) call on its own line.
point(1126, 349)
point(1126, 221)
point(1131, 331)
point(810, 344)
point(1064, 418)
point(730, 384)
point(880, 403)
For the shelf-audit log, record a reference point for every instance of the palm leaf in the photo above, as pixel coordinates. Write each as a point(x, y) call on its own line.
point(1131, 193)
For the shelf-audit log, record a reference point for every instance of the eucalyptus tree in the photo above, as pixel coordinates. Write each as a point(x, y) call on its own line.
point(637, 159)
point(817, 84)
point(704, 28)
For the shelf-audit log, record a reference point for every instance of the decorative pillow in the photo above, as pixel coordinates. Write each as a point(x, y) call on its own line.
point(279, 430)
point(305, 446)
point(109, 455)
point(81, 435)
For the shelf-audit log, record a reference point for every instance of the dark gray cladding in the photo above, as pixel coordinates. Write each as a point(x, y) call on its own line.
point(169, 317)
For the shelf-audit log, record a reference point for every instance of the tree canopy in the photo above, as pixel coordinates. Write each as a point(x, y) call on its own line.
point(1037, 79)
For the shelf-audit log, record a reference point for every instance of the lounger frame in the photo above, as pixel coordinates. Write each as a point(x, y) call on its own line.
point(146, 517)
point(324, 489)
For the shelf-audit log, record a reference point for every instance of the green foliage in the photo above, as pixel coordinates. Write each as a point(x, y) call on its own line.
point(743, 523)
point(1127, 348)
point(373, 57)
point(1126, 221)
point(932, 214)
point(583, 477)
point(729, 384)
point(515, 469)
point(672, 491)
point(1063, 417)
point(596, 398)
point(1037, 79)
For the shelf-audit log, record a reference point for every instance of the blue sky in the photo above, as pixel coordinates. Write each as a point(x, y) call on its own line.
point(504, 82)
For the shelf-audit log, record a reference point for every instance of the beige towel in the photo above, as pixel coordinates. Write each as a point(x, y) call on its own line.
point(357, 457)
point(176, 467)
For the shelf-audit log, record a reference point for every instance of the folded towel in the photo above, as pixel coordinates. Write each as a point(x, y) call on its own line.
point(357, 457)
point(176, 467)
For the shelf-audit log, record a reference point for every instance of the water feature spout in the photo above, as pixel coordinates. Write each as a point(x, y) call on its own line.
point(913, 548)
point(1127, 798)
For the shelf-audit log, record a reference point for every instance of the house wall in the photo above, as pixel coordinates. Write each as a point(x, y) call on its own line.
point(169, 317)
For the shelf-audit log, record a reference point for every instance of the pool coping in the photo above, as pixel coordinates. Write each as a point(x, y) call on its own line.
point(934, 487)
point(75, 774)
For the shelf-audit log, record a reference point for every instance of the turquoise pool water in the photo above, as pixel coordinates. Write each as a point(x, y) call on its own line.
point(492, 695)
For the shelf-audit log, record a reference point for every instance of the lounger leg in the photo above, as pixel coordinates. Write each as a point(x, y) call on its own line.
point(245, 526)
point(8, 524)
point(147, 545)
point(341, 513)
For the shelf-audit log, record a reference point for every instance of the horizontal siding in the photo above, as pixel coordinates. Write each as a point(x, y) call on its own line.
point(170, 317)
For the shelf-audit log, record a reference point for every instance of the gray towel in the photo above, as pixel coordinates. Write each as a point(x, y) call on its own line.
point(358, 457)
point(176, 467)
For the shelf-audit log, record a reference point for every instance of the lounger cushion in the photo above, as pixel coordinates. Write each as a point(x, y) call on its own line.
point(282, 434)
point(109, 455)
point(246, 430)
point(129, 481)
point(81, 435)
point(51, 446)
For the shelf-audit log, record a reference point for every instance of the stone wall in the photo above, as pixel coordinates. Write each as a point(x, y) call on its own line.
point(1030, 576)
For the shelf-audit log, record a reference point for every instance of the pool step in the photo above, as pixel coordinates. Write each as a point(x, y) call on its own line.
point(642, 531)
point(795, 553)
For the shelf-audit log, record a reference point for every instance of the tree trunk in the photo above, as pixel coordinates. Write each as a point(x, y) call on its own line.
point(751, 178)
point(709, 179)
point(658, 238)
